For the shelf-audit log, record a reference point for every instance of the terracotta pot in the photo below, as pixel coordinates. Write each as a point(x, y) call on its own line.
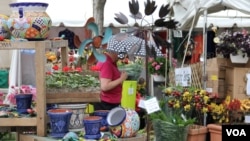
point(92, 125)
point(197, 133)
point(215, 131)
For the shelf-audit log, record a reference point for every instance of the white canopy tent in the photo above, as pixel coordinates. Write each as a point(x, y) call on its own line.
point(185, 11)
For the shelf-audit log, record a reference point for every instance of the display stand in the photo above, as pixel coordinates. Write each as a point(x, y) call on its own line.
point(40, 121)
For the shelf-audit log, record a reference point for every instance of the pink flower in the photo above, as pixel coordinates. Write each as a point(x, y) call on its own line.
point(154, 64)
point(157, 67)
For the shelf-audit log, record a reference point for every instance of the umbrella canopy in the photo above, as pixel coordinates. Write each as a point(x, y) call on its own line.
point(124, 43)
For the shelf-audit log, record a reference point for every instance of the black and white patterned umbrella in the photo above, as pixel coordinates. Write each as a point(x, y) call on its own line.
point(124, 43)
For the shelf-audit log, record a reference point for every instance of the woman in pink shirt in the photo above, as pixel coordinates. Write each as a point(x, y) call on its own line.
point(111, 82)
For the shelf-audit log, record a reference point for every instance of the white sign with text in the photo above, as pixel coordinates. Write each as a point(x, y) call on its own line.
point(183, 76)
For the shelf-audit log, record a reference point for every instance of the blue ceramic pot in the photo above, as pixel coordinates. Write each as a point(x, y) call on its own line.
point(59, 122)
point(92, 125)
point(23, 102)
point(103, 114)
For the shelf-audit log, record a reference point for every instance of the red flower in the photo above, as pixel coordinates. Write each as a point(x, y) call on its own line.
point(71, 58)
point(48, 73)
point(94, 68)
point(66, 69)
point(78, 69)
point(55, 67)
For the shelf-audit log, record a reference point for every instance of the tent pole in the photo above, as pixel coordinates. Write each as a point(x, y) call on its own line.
point(204, 77)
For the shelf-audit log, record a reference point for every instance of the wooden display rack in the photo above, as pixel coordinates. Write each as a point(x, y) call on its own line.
point(40, 122)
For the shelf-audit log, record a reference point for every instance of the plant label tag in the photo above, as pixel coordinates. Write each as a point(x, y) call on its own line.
point(130, 91)
point(151, 105)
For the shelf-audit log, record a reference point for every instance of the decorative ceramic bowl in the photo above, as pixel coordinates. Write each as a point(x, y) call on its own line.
point(123, 122)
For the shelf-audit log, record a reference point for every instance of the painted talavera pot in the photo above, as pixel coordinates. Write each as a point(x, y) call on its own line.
point(4, 31)
point(103, 114)
point(123, 123)
point(77, 115)
point(92, 125)
point(59, 121)
point(23, 102)
point(29, 20)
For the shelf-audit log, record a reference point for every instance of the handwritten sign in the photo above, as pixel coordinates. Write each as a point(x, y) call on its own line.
point(150, 105)
point(183, 76)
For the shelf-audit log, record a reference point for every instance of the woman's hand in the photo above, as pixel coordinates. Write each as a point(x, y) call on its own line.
point(124, 76)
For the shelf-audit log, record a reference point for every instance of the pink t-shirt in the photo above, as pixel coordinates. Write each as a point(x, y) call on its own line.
point(109, 70)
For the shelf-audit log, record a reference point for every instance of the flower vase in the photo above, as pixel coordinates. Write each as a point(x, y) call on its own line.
point(197, 133)
point(92, 125)
point(23, 102)
point(123, 122)
point(103, 114)
point(240, 58)
point(215, 131)
point(29, 20)
point(59, 122)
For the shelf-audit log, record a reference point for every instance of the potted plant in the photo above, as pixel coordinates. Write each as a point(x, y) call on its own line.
point(174, 119)
point(231, 44)
point(71, 79)
point(223, 112)
point(196, 101)
point(159, 67)
point(245, 108)
point(22, 97)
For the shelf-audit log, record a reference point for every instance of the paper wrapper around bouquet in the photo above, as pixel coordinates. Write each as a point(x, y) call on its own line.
point(129, 94)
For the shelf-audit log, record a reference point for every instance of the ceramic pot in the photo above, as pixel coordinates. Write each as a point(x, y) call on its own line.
point(77, 115)
point(240, 58)
point(59, 121)
point(159, 78)
point(4, 31)
point(123, 122)
point(29, 20)
point(23, 102)
point(103, 114)
point(92, 125)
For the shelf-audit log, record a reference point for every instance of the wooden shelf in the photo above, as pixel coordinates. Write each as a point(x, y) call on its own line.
point(72, 97)
point(40, 121)
point(18, 121)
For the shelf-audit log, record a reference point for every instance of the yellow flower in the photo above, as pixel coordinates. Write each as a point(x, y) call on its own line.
point(187, 107)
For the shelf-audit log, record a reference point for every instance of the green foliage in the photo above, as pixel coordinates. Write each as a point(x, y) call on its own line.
point(70, 80)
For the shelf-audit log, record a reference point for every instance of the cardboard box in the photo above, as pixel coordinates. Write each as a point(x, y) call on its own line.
point(236, 82)
point(216, 68)
point(217, 87)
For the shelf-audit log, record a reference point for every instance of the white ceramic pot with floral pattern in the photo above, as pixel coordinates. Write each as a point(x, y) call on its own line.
point(123, 122)
point(29, 20)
